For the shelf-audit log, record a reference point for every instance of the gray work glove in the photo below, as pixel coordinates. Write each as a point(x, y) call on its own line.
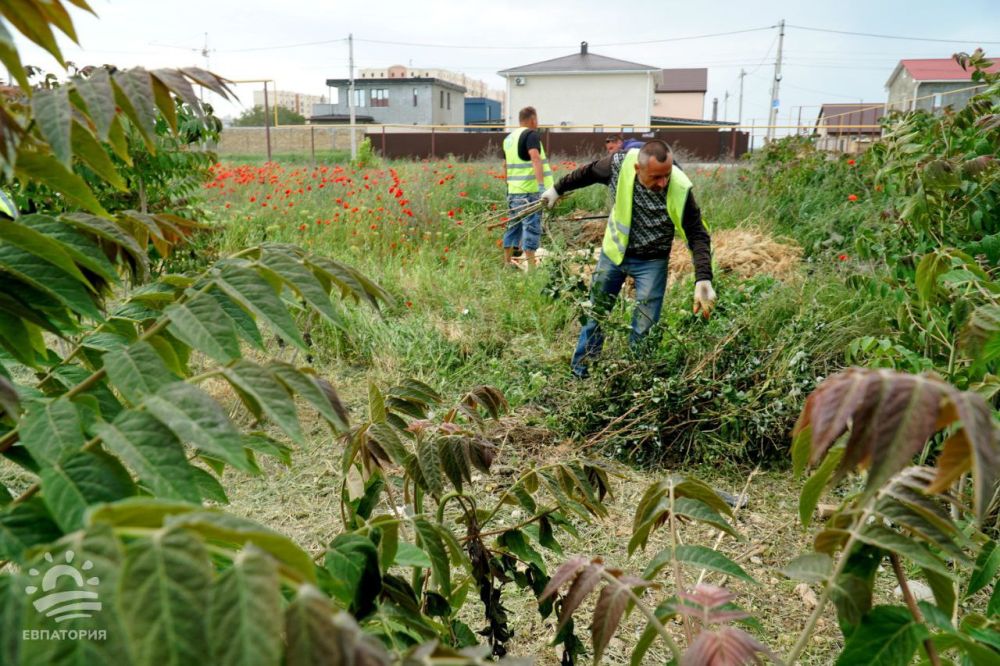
point(704, 298)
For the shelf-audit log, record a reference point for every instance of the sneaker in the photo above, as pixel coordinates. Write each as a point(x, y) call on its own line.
point(581, 373)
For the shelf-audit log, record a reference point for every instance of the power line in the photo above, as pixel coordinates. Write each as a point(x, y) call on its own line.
point(509, 48)
point(912, 39)
point(286, 46)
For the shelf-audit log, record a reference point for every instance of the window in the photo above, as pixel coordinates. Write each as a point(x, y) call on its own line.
point(449, 101)
point(359, 97)
point(414, 97)
point(442, 99)
point(380, 96)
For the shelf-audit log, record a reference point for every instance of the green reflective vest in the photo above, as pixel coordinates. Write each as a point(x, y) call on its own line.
point(620, 221)
point(520, 174)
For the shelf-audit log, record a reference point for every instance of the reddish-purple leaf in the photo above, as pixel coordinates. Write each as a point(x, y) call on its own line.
point(611, 605)
point(582, 586)
point(724, 647)
point(567, 571)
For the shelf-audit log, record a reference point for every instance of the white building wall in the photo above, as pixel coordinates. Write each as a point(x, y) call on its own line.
point(611, 100)
point(689, 105)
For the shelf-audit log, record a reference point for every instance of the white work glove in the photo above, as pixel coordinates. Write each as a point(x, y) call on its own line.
point(550, 197)
point(704, 298)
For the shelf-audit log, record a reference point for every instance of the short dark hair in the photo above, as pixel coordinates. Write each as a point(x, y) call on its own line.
point(656, 149)
point(527, 113)
point(613, 137)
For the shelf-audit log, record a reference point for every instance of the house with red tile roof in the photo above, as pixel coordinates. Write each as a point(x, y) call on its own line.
point(930, 84)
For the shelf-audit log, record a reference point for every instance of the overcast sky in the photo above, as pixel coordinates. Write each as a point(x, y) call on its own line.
point(253, 39)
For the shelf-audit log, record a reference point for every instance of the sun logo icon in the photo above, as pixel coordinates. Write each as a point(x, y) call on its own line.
point(69, 604)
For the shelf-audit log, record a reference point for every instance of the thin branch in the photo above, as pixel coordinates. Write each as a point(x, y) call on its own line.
point(911, 603)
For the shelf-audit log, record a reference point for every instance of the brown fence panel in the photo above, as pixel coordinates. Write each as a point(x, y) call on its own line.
point(702, 144)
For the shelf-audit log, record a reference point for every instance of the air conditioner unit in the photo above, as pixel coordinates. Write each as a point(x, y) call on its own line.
point(519, 81)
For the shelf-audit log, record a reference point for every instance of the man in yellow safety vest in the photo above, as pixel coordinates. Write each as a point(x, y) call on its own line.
point(528, 175)
point(651, 201)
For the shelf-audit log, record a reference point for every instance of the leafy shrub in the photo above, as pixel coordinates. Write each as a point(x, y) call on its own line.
point(725, 390)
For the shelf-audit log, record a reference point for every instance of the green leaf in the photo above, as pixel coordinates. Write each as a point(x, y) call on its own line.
point(851, 591)
point(30, 239)
point(260, 384)
point(217, 526)
point(309, 387)
point(943, 588)
point(168, 577)
point(88, 149)
point(138, 102)
point(701, 512)
point(701, 557)
point(137, 371)
point(809, 567)
point(256, 295)
point(514, 542)
point(49, 279)
point(202, 324)
point(244, 617)
point(993, 607)
point(51, 430)
point(263, 444)
point(295, 273)
point(430, 465)
point(140, 511)
point(112, 233)
point(79, 480)
point(96, 92)
point(149, 448)
point(23, 526)
point(887, 636)
point(79, 246)
point(985, 570)
point(311, 635)
point(246, 327)
point(45, 169)
point(355, 576)
point(376, 404)
point(801, 445)
point(408, 555)
point(53, 114)
point(208, 486)
point(812, 489)
point(196, 418)
point(433, 545)
point(893, 542)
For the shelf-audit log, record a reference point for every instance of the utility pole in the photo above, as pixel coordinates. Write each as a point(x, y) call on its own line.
point(267, 128)
point(725, 107)
point(799, 129)
point(743, 75)
point(350, 95)
point(773, 117)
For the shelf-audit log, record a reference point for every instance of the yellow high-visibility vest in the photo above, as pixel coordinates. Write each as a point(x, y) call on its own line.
point(620, 221)
point(521, 174)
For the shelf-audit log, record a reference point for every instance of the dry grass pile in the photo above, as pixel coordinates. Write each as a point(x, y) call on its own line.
point(743, 252)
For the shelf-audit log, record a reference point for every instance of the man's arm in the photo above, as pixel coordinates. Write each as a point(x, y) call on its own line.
point(699, 242)
point(588, 174)
point(536, 163)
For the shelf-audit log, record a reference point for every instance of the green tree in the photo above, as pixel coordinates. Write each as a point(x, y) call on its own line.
point(255, 117)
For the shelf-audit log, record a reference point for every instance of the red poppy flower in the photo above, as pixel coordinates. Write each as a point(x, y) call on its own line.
point(852, 197)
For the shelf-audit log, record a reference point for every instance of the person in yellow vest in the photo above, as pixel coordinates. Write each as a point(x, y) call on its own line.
point(528, 175)
point(652, 201)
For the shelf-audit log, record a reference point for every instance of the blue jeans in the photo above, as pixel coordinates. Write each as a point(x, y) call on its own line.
point(526, 231)
point(650, 277)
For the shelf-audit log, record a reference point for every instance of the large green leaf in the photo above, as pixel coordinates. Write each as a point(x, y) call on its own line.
point(255, 294)
point(893, 542)
point(12, 610)
point(851, 591)
point(430, 465)
point(137, 371)
point(51, 430)
point(152, 450)
point(202, 324)
point(168, 577)
point(985, 571)
point(809, 567)
point(244, 618)
point(317, 392)
point(196, 418)
point(30, 239)
point(52, 112)
point(23, 526)
point(433, 545)
point(355, 576)
point(137, 101)
point(246, 327)
point(45, 169)
point(273, 398)
point(300, 278)
point(97, 94)
point(237, 531)
point(887, 636)
point(812, 489)
point(701, 512)
point(49, 279)
point(700, 557)
point(79, 480)
point(115, 235)
point(89, 149)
